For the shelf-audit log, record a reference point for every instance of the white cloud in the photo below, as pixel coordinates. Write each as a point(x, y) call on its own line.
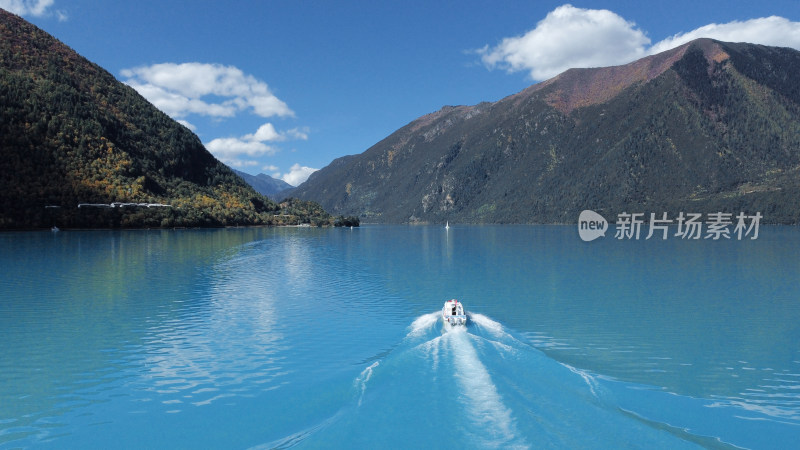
point(239, 163)
point(228, 150)
point(206, 89)
point(35, 8)
point(575, 37)
point(300, 134)
point(177, 105)
point(265, 132)
point(298, 174)
point(569, 37)
point(249, 144)
point(230, 147)
point(219, 92)
point(773, 30)
point(187, 124)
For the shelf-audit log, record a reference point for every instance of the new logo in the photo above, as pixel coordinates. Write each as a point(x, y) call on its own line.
point(591, 225)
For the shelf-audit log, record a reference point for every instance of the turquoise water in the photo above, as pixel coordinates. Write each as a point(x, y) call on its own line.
point(330, 338)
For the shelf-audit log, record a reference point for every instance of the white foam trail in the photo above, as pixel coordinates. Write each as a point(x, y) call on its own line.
point(490, 325)
point(506, 341)
point(484, 403)
point(422, 323)
point(590, 380)
point(504, 347)
point(434, 352)
point(363, 378)
point(486, 322)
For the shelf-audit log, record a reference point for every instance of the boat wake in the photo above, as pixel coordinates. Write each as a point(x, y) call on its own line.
point(477, 386)
point(482, 402)
point(363, 378)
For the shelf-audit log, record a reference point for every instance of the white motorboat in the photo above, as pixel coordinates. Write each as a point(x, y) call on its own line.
point(453, 313)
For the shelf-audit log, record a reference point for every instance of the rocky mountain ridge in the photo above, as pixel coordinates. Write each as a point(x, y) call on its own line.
point(708, 126)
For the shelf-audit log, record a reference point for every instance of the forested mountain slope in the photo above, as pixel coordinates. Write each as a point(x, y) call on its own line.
point(709, 126)
point(71, 134)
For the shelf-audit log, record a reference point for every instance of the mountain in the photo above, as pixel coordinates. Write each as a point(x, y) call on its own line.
point(265, 184)
point(71, 134)
point(709, 126)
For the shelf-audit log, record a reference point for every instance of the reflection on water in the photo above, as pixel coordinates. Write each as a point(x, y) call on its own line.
point(245, 336)
point(703, 318)
point(77, 307)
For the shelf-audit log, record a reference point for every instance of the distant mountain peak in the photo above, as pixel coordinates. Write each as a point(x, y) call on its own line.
point(704, 127)
point(577, 88)
point(265, 184)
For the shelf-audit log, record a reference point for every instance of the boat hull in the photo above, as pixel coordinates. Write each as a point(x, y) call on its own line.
point(453, 313)
point(455, 320)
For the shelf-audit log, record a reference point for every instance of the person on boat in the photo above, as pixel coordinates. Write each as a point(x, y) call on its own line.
point(454, 309)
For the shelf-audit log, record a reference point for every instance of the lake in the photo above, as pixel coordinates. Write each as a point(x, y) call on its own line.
point(331, 338)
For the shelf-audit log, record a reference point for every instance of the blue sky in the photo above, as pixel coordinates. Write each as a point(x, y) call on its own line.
point(283, 87)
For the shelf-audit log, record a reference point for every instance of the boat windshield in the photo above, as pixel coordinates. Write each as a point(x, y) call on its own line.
point(455, 309)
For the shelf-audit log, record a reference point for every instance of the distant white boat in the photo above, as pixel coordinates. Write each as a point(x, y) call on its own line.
point(447, 225)
point(55, 229)
point(453, 313)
